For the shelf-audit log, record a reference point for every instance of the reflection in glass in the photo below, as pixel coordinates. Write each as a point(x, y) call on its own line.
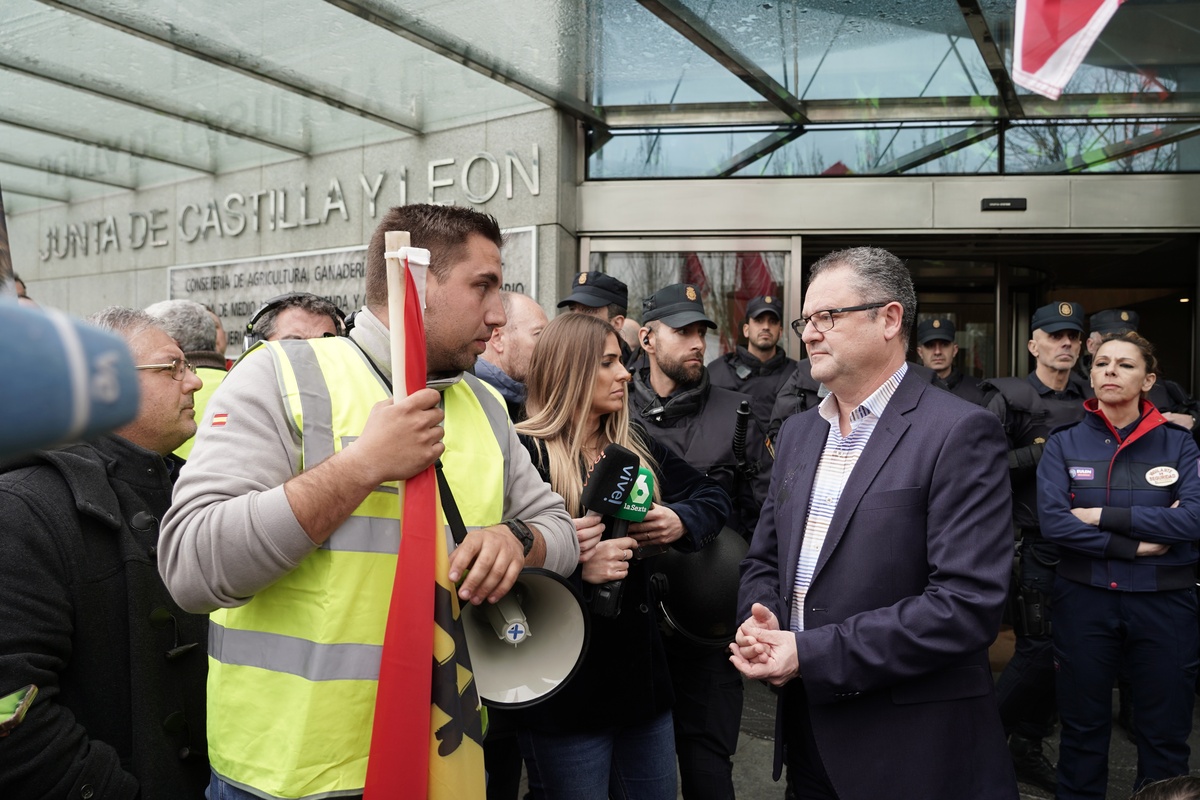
point(1113, 145)
point(726, 281)
point(904, 149)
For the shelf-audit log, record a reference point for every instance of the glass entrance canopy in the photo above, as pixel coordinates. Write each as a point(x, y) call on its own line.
point(102, 96)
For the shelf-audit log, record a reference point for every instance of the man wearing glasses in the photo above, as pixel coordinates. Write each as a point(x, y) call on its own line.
point(877, 574)
point(119, 667)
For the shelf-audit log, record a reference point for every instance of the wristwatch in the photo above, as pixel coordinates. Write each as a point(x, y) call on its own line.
point(522, 532)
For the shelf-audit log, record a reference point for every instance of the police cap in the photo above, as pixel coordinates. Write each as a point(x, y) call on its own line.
point(767, 302)
point(676, 306)
point(935, 330)
point(595, 289)
point(1114, 320)
point(1058, 316)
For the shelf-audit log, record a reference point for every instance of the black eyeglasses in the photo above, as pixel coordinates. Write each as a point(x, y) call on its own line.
point(177, 366)
point(823, 320)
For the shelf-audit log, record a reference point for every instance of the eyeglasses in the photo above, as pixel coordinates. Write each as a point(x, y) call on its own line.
point(177, 366)
point(823, 320)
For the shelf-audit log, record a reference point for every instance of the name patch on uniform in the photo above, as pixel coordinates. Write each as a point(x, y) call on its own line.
point(1162, 476)
point(1082, 473)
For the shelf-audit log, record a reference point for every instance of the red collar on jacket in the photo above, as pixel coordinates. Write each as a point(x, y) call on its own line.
point(1150, 419)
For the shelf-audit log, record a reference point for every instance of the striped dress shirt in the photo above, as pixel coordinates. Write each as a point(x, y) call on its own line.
point(838, 458)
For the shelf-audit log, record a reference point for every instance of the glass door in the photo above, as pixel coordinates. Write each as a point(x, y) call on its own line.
point(728, 272)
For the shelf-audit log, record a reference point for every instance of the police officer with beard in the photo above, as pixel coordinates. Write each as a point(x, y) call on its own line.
point(674, 400)
point(1030, 408)
point(761, 367)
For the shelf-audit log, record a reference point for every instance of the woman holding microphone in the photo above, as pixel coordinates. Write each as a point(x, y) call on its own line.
point(1119, 492)
point(608, 732)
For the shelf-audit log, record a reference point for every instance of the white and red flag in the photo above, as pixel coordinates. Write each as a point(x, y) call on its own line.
point(1052, 38)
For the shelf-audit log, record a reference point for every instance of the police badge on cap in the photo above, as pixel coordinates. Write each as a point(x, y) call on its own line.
point(595, 289)
point(767, 303)
point(677, 306)
point(1058, 316)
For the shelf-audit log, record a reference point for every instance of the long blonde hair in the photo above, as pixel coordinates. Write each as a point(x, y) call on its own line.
point(561, 382)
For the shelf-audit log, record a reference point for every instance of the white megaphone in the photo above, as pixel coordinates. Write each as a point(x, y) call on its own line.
point(528, 645)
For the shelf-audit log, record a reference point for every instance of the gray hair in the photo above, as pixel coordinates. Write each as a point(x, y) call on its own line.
point(188, 323)
point(314, 304)
point(878, 276)
point(124, 322)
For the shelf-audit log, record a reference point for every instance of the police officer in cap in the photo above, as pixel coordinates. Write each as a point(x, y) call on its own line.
point(937, 350)
point(1030, 408)
point(604, 297)
point(760, 368)
point(1167, 396)
point(677, 404)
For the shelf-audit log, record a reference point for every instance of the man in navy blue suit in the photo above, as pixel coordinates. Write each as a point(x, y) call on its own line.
point(878, 571)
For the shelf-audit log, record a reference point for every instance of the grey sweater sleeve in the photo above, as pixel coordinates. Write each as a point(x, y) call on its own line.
point(230, 531)
point(528, 498)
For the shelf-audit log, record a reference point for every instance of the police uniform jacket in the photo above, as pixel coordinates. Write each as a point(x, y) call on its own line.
point(627, 651)
point(697, 424)
point(743, 372)
point(1134, 475)
point(1029, 409)
point(119, 667)
point(968, 388)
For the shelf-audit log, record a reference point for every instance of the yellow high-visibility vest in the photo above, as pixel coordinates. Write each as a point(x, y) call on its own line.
point(293, 672)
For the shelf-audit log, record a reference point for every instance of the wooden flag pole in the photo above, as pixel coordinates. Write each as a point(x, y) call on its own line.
point(393, 242)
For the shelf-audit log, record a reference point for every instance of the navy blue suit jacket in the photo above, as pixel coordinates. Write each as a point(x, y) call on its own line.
point(905, 599)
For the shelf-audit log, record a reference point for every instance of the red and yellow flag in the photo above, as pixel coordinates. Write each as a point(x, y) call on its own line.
point(427, 738)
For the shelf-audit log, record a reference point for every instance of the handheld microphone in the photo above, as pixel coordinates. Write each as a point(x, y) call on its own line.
point(610, 482)
point(637, 506)
point(64, 380)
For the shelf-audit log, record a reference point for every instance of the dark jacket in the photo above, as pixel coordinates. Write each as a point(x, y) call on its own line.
point(88, 620)
point(967, 387)
point(905, 598)
point(697, 424)
point(1029, 409)
point(625, 654)
point(1134, 478)
point(742, 372)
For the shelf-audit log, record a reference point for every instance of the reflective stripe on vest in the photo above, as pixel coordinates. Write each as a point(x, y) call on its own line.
point(292, 673)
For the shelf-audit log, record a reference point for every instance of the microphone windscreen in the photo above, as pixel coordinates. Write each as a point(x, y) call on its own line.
point(64, 380)
point(611, 480)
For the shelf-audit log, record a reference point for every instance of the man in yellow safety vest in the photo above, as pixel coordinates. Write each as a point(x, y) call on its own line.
point(284, 521)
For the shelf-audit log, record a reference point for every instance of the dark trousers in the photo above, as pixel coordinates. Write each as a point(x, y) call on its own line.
point(708, 716)
point(807, 778)
point(502, 760)
point(1155, 634)
point(1025, 689)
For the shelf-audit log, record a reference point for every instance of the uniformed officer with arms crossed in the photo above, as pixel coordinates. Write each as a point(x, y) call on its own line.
point(1167, 396)
point(673, 398)
point(937, 350)
point(761, 367)
point(1030, 408)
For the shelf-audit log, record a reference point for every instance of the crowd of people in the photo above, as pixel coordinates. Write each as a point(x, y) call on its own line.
point(201, 595)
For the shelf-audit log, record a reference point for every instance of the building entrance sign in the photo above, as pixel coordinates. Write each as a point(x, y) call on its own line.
point(236, 289)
